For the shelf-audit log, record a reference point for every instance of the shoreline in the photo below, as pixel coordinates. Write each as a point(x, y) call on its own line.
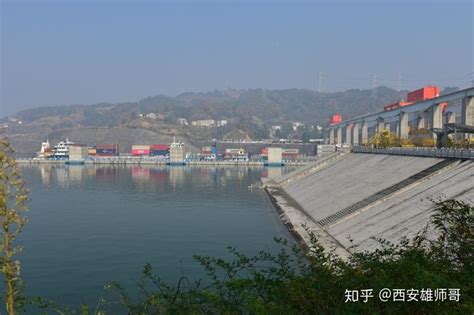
point(299, 223)
point(159, 162)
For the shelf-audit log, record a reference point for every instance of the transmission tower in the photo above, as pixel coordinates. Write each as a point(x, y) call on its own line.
point(374, 84)
point(320, 82)
point(399, 81)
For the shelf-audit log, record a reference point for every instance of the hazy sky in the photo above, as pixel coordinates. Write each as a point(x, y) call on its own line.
point(70, 52)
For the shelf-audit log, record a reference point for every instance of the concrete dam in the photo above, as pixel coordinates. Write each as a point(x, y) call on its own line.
point(347, 199)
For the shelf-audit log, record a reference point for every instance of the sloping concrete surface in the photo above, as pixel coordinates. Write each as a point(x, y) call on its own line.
point(352, 179)
point(405, 213)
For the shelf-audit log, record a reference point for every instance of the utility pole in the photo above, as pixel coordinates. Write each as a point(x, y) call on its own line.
point(320, 82)
point(138, 107)
point(399, 81)
point(374, 84)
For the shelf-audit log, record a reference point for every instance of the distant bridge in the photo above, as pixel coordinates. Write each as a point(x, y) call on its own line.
point(425, 114)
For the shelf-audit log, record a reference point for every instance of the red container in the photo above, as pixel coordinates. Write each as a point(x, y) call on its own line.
point(335, 119)
point(159, 147)
point(264, 151)
point(140, 152)
point(422, 94)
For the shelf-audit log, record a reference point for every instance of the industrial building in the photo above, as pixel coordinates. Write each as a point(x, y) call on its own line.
point(177, 154)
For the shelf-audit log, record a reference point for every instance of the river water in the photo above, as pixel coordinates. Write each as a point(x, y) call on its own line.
point(92, 225)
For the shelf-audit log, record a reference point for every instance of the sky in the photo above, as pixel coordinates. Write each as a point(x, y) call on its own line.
point(83, 52)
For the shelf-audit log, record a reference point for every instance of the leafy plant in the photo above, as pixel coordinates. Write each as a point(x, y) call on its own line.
point(13, 198)
point(313, 282)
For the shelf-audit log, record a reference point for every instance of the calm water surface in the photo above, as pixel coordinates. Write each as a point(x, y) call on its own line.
point(91, 225)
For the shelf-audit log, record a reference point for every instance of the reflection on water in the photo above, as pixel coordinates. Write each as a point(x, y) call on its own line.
point(89, 225)
point(66, 175)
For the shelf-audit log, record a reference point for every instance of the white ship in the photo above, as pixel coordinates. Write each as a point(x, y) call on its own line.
point(45, 147)
point(61, 150)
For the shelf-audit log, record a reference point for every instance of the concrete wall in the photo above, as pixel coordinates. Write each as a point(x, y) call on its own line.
point(408, 212)
point(78, 153)
point(274, 155)
point(177, 154)
point(352, 179)
point(348, 180)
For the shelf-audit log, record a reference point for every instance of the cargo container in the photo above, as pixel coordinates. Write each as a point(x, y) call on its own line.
point(335, 119)
point(106, 152)
point(108, 146)
point(159, 150)
point(107, 149)
point(162, 147)
point(140, 150)
point(91, 151)
point(158, 153)
point(140, 147)
point(422, 94)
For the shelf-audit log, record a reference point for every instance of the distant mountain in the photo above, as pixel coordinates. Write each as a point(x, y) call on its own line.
point(269, 106)
point(253, 111)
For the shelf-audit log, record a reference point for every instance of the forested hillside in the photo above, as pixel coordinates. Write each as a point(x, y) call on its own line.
point(268, 106)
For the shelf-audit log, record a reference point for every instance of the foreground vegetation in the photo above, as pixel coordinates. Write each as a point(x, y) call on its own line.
point(290, 281)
